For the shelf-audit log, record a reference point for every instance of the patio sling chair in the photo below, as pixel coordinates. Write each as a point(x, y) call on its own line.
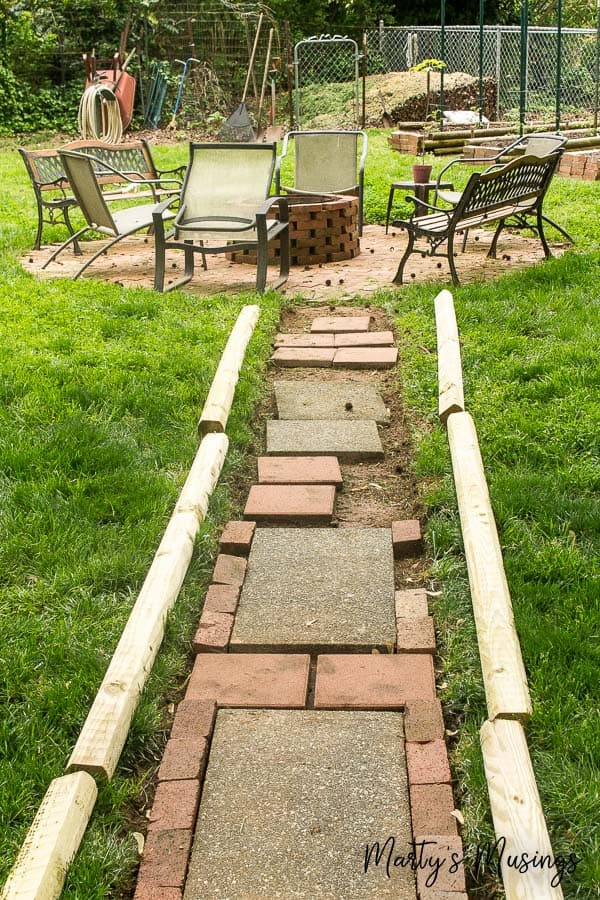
point(326, 162)
point(79, 168)
point(539, 145)
point(225, 199)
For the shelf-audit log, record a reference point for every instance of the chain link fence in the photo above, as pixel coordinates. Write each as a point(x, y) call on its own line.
point(326, 76)
point(396, 49)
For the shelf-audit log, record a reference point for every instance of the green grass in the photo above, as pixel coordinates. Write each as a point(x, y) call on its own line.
point(530, 359)
point(101, 389)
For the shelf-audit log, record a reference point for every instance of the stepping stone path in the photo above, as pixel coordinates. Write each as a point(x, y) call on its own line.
point(307, 758)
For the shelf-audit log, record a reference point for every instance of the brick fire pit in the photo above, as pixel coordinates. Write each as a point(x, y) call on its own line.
point(322, 230)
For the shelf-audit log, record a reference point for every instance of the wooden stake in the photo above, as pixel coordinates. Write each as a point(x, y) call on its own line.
point(450, 380)
point(504, 675)
point(105, 730)
point(517, 812)
point(53, 839)
point(220, 396)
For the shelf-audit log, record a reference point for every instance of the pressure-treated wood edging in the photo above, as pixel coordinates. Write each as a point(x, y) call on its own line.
point(56, 832)
point(504, 677)
point(450, 379)
point(517, 812)
point(220, 396)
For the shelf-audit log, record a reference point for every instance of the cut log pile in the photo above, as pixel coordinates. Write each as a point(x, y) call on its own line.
point(483, 144)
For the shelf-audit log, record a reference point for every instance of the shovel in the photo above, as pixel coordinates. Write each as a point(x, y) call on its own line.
point(238, 126)
point(260, 131)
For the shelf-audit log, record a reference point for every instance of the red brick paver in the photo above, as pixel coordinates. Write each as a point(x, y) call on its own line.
point(337, 324)
point(310, 503)
point(149, 891)
point(299, 470)
point(229, 570)
point(407, 538)
point(423, 721)
point(194, 719)
point(431, 807)
point(304, 340)
point(313, 357)
point(411, 604)
point(377, 681)
point(183, 759)
point(271, 680)
point(451, 874)
point(365, 339)
point(365, 358)
point(175, 805)
point(214, 632)
point(221, 598)
point(236, 538)
point(415, 635)
point(427, 763)
point(165, 859)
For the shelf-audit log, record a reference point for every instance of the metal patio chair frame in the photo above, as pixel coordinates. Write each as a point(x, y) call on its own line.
point(80, 171)
point(310, 179)
point(212, 208)
point(537, 144)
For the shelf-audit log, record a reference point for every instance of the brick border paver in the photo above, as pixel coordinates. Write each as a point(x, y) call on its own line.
point(402, 679)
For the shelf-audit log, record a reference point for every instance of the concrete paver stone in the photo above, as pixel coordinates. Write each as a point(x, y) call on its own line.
point(175, 805)
point(317, 588)
point(221, 598)
point(251, 680)
point(349, 441)
point(309, 503)
point(193, 719)
point(407, 538)
point(299, 470)
point(183, 759)
point(335, 400)
point(340, 324)
point(291, 800)
point(213, 632)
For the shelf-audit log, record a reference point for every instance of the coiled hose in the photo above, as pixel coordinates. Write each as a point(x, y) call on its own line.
point(99, 115)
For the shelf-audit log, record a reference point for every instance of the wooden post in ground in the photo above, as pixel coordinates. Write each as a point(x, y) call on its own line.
point(220, 396)
point(517, 812)
point(53, 839)
point(450, 380)
point(105, 730)
point(504, 677)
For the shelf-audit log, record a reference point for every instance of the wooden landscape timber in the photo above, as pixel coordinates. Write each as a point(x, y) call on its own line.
point(220, 396)
point(517, 812)
point(105, 730)
point(504, 677)
point(451, 397)
point(448, 141)
point(53, 839)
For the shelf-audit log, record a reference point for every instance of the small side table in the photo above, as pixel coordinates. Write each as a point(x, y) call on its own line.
point(421, 192)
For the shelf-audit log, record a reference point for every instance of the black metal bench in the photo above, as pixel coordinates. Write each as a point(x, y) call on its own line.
point(515, 191)
point(123, 162)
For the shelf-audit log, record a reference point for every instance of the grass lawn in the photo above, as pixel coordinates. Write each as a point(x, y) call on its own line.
point(102, 387)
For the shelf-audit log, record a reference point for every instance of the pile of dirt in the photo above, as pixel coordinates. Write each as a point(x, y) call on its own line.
point(403, 96)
